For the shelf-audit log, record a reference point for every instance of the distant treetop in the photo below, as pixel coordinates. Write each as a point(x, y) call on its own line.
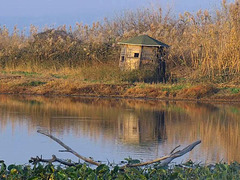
point(55, 34)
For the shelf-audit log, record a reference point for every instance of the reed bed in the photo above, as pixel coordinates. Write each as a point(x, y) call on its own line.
point(206, 43)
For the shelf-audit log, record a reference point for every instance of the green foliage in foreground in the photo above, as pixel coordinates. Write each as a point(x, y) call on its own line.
point(184, 171)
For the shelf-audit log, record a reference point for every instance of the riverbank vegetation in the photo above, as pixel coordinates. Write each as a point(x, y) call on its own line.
point(32, 83)
point(205, 49)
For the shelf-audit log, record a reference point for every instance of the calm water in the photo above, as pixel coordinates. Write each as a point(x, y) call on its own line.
point(111, 130)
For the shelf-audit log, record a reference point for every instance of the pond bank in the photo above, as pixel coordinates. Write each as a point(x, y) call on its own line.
point(15, 84)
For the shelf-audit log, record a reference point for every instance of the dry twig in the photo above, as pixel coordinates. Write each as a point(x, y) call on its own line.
point(68, 149)
point(54, 159)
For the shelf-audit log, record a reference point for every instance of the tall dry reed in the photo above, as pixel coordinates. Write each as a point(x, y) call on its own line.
point(206, 42)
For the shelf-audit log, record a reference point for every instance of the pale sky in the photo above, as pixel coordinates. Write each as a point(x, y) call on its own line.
point(58, 12)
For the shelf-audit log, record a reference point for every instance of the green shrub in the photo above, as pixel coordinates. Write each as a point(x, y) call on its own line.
point(33, 83)
point(29, 74)
point(141, 75)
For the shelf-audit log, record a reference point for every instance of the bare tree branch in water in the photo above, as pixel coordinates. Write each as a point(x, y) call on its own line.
point(163, 161)
point(174, 149)
point(54, 159)
point(68, 149)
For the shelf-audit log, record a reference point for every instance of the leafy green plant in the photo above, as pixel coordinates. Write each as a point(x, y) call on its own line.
point(235, 90)
point(141, 75)
point(33, 83)
point(132, 161)
point(29, 74)
point(188, 170)
point(174, 88)
point(59, 76)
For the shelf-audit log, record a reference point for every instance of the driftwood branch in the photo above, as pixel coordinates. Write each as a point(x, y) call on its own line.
point(165, 160)
point(54, 159)
point(68, 149)
point(174, 149)
point(63, 151)
point(180, 153)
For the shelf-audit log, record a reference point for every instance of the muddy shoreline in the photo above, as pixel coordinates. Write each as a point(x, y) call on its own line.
point(17, 85)
point(133, 97)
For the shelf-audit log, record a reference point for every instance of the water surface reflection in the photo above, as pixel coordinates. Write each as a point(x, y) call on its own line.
point(117, 128)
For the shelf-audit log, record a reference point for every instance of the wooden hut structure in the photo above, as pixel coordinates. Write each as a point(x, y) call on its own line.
point(140, 51)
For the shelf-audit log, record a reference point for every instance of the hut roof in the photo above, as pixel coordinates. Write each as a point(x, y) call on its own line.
point(144, 40)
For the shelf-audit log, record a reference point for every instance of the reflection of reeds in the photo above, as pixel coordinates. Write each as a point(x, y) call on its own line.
point(131, 121)
point(208, 43)
point(216, 126)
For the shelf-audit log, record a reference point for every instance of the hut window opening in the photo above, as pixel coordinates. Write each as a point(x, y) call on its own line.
point(122, 58)
point(136, 55)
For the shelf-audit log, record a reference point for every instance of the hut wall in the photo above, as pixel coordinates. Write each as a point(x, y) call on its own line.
point(130, 57)
point(123, 57)
point(149, 55)
point(134, 56)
